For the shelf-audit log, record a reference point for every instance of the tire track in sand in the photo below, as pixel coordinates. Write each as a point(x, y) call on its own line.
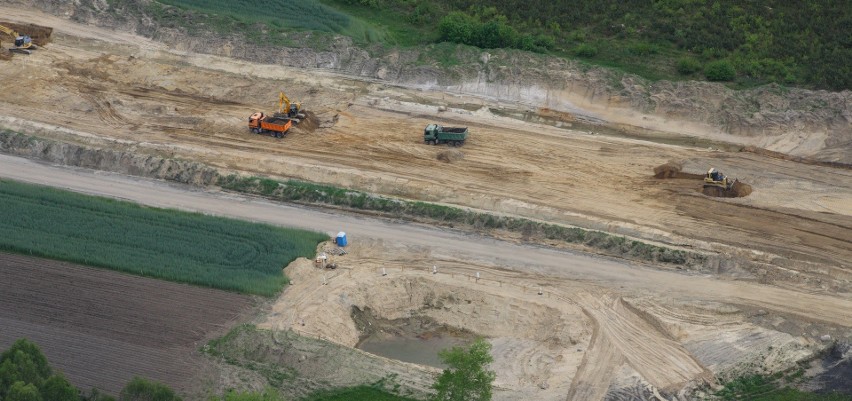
point(621, 336)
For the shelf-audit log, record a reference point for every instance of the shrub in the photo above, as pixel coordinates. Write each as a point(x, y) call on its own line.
point(458, 27)
point(688, 66)
point(140, 389)
point(585, 50)
point(720, 70)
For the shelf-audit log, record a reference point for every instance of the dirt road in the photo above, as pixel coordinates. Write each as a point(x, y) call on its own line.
point(834, 308)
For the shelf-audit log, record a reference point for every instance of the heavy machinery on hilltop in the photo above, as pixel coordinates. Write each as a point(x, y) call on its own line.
point(23, 43)
point(288, 109)
point(715, 179)
point(435, 134)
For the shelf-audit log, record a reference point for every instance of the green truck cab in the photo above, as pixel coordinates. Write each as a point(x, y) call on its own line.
point(435, 134)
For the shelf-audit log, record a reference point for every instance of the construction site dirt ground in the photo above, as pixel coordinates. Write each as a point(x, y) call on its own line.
point(115, 90)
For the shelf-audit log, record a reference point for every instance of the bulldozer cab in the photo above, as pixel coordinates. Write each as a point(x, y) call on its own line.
point(715, 175)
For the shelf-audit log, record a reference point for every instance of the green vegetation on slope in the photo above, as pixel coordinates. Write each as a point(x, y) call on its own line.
point(308, 193)
point(260, 351)
point(281, 16)
point(807, 43)
point(357, 393)
point(177, 246)
point(794, 43)
point(771, 388)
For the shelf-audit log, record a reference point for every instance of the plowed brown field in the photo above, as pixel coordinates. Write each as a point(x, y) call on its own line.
point(102, 328)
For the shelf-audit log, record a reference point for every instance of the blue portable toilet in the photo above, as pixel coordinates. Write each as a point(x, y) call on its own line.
point(341, 239)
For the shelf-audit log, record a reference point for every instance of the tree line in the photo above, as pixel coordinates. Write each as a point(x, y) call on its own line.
point(25, 375)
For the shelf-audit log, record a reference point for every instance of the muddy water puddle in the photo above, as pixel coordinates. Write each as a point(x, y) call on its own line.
point(421, 350)
point(415, 339)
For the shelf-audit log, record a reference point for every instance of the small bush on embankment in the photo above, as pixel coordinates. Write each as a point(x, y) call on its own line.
point(168, 244)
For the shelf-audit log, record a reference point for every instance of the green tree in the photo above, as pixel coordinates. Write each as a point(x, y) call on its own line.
point(140, 389)
point(458, 27)
point(95, 395)
point(57, 388)
point(22, 362)
point(21, 391)
point(467, 377)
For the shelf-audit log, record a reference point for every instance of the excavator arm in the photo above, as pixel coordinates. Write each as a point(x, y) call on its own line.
point(283, 104)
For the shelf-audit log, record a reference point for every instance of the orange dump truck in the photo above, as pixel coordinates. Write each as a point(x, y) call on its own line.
point(260, 123)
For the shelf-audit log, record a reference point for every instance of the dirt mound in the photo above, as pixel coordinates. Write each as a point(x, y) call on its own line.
point(673, 170)
point(668, 170)
point(738, 190)
point(39, 34)
point(310, 123)
point(451, 155)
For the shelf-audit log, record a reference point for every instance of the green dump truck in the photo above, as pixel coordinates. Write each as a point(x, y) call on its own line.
point(435, 134)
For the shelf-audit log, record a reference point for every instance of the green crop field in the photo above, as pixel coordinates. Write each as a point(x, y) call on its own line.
point(177, 246)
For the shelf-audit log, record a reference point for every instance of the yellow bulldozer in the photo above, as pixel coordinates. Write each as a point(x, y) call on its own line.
point(23, 43)
point(715, 179)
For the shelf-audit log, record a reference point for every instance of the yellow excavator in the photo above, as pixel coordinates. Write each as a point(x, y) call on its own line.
point(23, 43)
point(291, 110)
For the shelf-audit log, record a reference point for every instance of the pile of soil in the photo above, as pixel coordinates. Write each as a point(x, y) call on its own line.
point(668, 170)
point(673, 170)
point(310, 123)
point(738, 190)
point(39, 34)
point(451, 155)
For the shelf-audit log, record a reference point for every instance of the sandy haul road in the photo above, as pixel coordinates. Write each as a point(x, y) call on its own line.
point(120, 91)
point(654, 322)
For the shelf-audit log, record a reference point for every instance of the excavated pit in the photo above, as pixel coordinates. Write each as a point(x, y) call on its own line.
point(415, 339)
point(39, 34)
